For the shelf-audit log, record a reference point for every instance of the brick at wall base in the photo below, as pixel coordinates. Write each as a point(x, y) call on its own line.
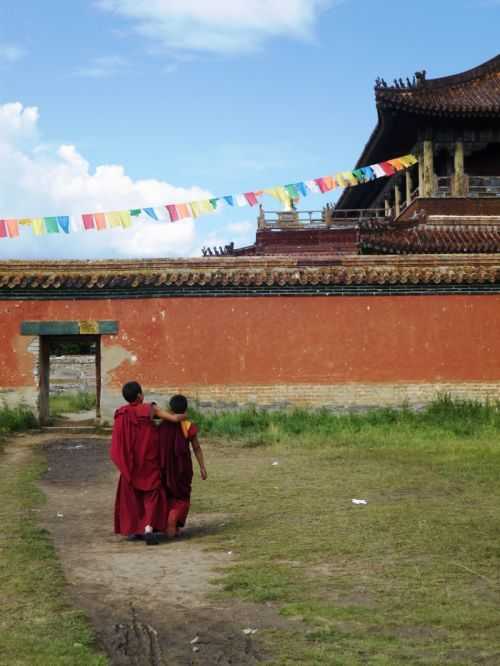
point(337, 397)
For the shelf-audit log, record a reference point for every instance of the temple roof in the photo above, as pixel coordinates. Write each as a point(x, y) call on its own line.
point(475, 92)
point(444, 235)
point(403, 108)
point(233, 275)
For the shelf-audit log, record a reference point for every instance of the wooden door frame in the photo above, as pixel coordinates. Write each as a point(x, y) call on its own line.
point(44, 372)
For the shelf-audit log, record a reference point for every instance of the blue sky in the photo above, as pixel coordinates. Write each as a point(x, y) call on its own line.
point(111, 104)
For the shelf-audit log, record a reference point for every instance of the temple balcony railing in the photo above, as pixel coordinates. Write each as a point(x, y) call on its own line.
point(474, 186)
point(327, 218)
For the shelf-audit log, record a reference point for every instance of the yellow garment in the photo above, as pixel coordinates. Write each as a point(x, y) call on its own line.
point(185, 425)
point(38, 226)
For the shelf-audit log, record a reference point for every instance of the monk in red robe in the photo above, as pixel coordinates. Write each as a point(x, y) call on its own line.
point(176, 464)
point(141, 503)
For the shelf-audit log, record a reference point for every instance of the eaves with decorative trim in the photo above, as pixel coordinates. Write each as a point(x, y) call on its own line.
point(157, 277)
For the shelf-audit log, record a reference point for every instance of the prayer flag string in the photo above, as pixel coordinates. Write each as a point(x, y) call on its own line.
point(175, 212)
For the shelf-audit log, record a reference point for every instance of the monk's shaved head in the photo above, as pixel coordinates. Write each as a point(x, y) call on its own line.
point(131, 391)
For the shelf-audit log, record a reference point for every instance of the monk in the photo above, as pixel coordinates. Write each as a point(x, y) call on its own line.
point(176, 464)
point(141, 503)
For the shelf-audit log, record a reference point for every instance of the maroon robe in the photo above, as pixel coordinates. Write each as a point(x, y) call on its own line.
point(176, 469)
point(140, 497)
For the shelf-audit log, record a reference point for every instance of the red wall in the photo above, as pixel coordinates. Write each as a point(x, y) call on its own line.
point(260, 340)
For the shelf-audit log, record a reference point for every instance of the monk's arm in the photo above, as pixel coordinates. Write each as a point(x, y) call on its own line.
point(167, 416)
point(199, 457)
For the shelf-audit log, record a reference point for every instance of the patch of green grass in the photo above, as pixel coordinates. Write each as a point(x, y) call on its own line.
point(38, 627)
point(66, 403)
point(16, 419)
point(443, 418)
point(412, 577)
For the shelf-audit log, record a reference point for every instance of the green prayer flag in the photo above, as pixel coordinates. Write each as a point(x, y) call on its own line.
point(135, 212)
point(213, 203)
point(51, 225)
point(292, 191)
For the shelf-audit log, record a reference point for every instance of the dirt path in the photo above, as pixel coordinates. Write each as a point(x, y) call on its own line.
point(147, 604)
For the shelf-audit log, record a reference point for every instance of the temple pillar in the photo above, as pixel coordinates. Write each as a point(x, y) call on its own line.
point(428, 170)
point(458, 183)
point(409, 186)
point(397, 199)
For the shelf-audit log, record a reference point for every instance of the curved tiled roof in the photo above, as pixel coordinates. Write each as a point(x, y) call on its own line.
point(431, 240)
point(151, 276)
point(475, 92)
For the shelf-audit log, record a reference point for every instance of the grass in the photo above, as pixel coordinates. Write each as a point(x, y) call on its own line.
point(16, 419)
point(412, 577)
point(66, 403)
point(38, 627)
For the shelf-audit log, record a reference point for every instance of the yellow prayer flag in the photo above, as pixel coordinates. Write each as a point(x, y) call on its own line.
point(25, 221)
point(114, 219)
point(196, 208)
point(281, 194)
point(38, 226)
point(125, 219)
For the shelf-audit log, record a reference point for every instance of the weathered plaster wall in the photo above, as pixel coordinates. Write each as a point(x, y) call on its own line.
point(338, 351)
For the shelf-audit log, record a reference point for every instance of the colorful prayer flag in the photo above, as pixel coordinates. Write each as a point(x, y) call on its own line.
point(100, 221)
point(3, 229)
point(229, 200)
point(63, 222)
point(51, 225)
point(88, 221)
point(301, 189)
point(251, 198)
point(38, 226)
point(12, 228)
point(172, 211)
point(151, 213)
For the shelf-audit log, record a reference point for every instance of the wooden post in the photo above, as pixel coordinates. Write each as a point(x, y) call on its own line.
point(428, 170)
point(409, 186)
point(458, 187)
point(387, 208)
point(397, 199)
point(44, 380)
point(98, 377)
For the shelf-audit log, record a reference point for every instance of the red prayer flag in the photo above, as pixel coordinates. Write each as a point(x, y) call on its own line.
point(12, 228)
point(88, 222)
point(329, 182)
point(172, 211)
point(321, 184)
point(100, 221)
point(388, 168)
point(3, 229)
point(183, 210)
point(251, 198)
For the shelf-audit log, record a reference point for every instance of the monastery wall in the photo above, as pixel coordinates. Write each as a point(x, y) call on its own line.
point(334, 351)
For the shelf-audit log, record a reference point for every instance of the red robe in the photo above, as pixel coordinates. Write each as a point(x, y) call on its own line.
point(140, 497)
point(177, 468)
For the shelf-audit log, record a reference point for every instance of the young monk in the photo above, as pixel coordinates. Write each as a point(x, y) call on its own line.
point(176, 464)
point(141, 503)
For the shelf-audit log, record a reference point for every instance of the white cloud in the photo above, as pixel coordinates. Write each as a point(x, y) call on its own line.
point(35, 182)
point(102, 67)
point(11, 52)
point(219, 26)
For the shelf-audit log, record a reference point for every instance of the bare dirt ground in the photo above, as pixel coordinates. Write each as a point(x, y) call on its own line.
point(147, 604)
